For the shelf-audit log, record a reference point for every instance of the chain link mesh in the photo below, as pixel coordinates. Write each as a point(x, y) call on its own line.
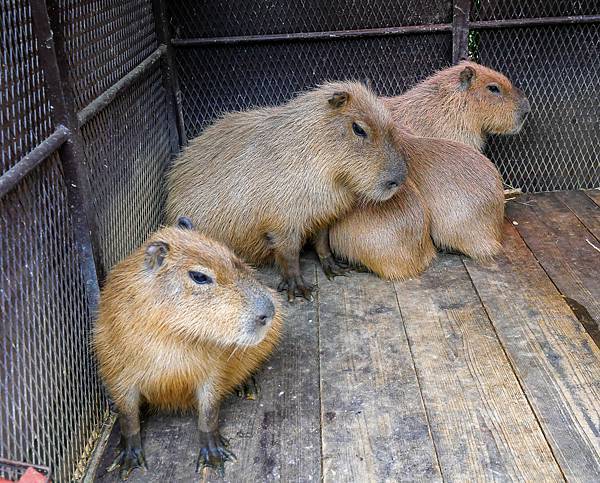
point(510, 9)
point(558, 68)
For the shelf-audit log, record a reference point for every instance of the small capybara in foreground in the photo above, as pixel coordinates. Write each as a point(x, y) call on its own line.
point(464, 103)
point(264, 181)
point(391, 239)
point(182, 321)
point(457, 188)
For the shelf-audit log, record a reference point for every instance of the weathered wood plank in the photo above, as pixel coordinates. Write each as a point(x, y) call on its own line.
point(584, 209)
point(275, 437)
point(556, 362)
point(594, 195)
point(374, 426)
point(562, 245)
point(482, 424)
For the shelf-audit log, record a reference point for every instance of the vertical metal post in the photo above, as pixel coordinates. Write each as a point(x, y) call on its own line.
point(170, 81)
point(460, 30)
point(53, 61)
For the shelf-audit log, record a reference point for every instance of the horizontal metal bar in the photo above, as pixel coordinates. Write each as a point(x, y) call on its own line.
point(533, 22)
point(43, 151)
point(334, 34)
point(109, 95)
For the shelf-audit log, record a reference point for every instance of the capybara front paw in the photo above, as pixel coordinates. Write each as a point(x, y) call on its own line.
point(129, 458)
point(293, 285)
point(214, 452)
point(249, 389)
point(334, 268)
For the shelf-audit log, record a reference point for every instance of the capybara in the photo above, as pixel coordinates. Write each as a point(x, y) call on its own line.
point(456, 186)
point(266, 180)
point(182, 322)
point(391, 239)
point(464, 103)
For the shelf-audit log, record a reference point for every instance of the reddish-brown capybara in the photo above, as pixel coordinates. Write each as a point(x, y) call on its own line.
point(464, 103)
point(266, 180)
point(182, 322)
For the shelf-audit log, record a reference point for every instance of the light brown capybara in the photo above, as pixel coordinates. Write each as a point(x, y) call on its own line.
point(182, 322)
point(391, 239)
point(266, 180)
point(464, 103)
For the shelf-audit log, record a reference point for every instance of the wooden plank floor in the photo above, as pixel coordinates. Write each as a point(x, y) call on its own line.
point(467, 373)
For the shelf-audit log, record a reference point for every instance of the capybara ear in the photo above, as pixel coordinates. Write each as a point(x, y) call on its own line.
point(466, 77)
point(185, 223)
point(339, 99)
point(155, 254)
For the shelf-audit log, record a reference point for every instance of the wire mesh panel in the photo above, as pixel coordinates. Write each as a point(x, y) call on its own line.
point(105, 40)
point(225, 18)
point(25, 112)
point(127, 151)
point(558, 68)
point(50, 395)
point(510, 9)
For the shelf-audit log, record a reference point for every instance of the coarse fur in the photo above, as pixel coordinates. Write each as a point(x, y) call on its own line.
point(265, 180)
point(450, 184)
point(391, 239)
point(161, 333)
point(182, 322)
point(461, 103)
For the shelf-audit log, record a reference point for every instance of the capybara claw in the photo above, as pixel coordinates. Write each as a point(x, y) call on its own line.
point(333, 268)
point(249, 389)
point(127, 460)
point(214, 453)
point(296, 285)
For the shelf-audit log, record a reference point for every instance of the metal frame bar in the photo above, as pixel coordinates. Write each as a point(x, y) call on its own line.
point(328, 35)
point(110, 94)
point(42, 151)
point(170, 80)
point(387, 31)
point(460, 30)
point(54, 63)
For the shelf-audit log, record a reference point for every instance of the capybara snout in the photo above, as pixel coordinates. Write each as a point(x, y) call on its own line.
point(259, 314)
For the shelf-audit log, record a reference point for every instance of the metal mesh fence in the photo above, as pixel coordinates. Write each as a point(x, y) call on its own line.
point(511, 9)
point(51, 401)
point(50, 395)
point(219, 79)
point(25, 113)
point(127, 150)
point(558, 68)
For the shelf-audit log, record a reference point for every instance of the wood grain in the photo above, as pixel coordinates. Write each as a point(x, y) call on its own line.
point(275, 437)
point(555, 360)
point(562, 244)
point(374, 425)
point(584, 209)
point(594, 195)
point(482, 425)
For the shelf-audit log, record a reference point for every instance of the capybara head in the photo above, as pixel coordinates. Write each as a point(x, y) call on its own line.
point(365, 135)
point(494, 105)
point(197, 288)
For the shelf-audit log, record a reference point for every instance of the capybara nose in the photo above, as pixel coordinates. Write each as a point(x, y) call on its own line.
point(266, 311)
point(525, 106)
point(391, 185)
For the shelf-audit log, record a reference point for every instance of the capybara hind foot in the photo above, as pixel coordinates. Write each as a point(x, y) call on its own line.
point(214, 452)
point(130, 457)
point(249, 389)
point(334, 268)
point(295, 284)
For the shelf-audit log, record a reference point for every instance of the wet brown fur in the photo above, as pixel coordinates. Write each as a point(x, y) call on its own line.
point(265, 180)
point(160, 334)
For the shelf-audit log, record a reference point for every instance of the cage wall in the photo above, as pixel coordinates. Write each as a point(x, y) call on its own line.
point(52, 404)
point(235, 55)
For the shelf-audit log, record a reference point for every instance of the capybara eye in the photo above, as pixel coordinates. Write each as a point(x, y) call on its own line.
point(359, 131)
point(494, 89)
point(200, 278)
